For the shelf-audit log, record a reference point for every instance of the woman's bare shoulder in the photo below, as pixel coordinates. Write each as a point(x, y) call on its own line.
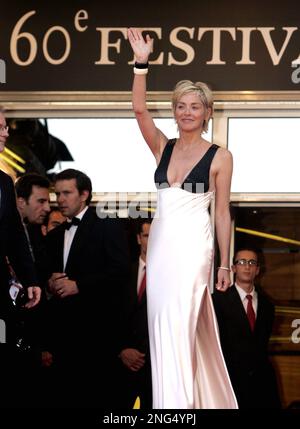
point(223, 155)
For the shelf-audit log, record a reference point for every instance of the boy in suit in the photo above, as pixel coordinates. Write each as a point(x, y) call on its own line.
point(245, 317)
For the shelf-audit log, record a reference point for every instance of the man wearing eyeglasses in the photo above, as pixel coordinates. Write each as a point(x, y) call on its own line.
point(245, 317)
point(14, 246)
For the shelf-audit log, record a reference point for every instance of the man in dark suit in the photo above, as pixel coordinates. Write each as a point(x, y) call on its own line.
point(32, 191)
point(33, 204)
point(13, 239)
point(33, 198)
point(13, 248)
point(135, 355)
point(89, 264)
point(245, 317)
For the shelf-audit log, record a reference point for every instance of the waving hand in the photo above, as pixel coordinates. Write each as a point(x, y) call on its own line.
point(141, 47)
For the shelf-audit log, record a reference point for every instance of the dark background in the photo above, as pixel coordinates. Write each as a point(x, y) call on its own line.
point(79, 73)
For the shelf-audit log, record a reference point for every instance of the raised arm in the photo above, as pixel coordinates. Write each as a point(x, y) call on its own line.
point(223, 221)
point(155, 139)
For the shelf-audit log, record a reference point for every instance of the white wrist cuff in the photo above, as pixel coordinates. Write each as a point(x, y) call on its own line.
point(139, 71)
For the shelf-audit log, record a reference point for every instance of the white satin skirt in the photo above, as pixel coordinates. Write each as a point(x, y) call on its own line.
point(188, 368)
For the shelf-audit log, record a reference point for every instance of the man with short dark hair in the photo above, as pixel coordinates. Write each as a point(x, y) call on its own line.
point(13, 239)
point(14, 246)
point(245, 317)
point(33, 204)
point(33, 198)
point(89, 264)
point(135, 365)
point(53, 219)
point(32, 192)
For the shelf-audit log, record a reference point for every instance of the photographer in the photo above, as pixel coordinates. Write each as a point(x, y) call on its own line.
point(13, 246)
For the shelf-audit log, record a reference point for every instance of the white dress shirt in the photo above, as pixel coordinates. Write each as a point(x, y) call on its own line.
point(141, 272)
point(244, 300)
point(69, 236)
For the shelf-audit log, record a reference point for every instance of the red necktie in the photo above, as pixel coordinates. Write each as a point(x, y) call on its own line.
point(142, 287)
point(250, 312)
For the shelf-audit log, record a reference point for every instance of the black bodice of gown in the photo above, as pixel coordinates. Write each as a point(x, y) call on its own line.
point(197, 180)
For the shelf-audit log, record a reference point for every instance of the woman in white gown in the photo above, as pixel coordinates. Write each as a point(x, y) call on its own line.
point(188, 368)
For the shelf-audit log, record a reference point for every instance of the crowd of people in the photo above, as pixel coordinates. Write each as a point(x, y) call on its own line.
point(102, 332)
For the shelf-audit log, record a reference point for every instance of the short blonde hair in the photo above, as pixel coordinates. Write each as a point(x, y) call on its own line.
point(201, 89)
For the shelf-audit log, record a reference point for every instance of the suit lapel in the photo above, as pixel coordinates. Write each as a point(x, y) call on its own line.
point(3, 193)
point(260, 313)
point(79, 240)
point(134, 279)
point(143, 298)
point(60, 249)
point(57, 249)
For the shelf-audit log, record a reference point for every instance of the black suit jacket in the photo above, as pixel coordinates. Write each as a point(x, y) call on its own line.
point(98, 262)
point(13, 242)
point(134, 334)
point(246, 352)
point(135, 322)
